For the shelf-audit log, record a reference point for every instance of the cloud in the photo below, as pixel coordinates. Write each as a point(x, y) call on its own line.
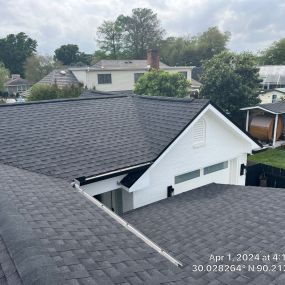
point(254, 24)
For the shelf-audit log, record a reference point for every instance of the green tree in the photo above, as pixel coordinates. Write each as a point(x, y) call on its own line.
point(142, 31)
point(38, 66)
point(4, 75)
point(162, 83)
point(48, 92)
point(67, 54)
point(70, 55)
point(130, 36)
point(231, 81)
point(275, 54)
point(110, 38)
point(98, 55)
point(15, 49)
point(212, 42)
point(194, 50)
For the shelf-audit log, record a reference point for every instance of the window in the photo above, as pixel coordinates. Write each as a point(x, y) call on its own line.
point(215, 167)
point(137, 76)
point(187, 176)
point(183, 73)
point(199, 133)
point(104, 79)
point(274, 98)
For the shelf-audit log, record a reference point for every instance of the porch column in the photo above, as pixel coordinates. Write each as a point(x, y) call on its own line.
point(247, 120)
point(275, 129)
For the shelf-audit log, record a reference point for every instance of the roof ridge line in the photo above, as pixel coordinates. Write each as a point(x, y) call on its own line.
point(61, 100)
point(166, 98)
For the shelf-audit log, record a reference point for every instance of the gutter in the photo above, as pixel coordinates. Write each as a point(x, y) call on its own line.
point(128, 226)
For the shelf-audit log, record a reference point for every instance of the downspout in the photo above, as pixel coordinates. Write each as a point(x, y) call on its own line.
point(128, 226)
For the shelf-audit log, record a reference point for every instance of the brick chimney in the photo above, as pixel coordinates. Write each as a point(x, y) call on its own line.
point(153, 58)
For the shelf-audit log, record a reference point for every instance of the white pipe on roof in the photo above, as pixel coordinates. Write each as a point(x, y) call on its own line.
point(128, 226)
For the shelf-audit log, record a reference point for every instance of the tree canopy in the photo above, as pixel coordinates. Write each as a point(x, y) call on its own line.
point(47, 92)
point(4, 75)
point(67, 54)
point(110, 38)
point(131, 36)
point(70, 55)
point(231, 81)
point(38, 66)
point(15, 49)
point(162, 83)
point(275, 54)
point(194, 50)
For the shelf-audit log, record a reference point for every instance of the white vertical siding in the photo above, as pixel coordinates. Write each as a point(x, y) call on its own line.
point(222, 143)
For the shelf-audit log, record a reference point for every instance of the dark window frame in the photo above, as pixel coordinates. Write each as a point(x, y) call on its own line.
point(105, 78)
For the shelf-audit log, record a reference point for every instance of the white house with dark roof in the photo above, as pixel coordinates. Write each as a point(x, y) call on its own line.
point(126, 150)
point(121, 75)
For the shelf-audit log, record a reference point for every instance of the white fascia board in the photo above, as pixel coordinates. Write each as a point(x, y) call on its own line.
point(258, 107)
point(216, 112)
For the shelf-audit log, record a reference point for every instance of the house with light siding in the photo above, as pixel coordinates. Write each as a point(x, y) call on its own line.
point(121, 75)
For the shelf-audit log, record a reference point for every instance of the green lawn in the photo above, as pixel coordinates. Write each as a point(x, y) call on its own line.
point(274, 157)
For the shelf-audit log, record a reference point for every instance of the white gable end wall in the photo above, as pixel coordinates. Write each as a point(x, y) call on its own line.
point(222, 144)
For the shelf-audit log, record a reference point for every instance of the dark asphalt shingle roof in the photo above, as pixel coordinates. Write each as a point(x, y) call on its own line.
point(97, 94)
point(51, 234)
point(277, 107)
point(60, 77)
point(84, 137)
point(218, 219)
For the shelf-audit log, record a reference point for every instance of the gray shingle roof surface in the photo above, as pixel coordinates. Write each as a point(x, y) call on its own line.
point(61, 80)
point(218, 219)
point(51, 234)
point(72, 241)
point(84, 137)
point(17, 81)
point(98, 94)
point(125, 64)
point(277, 107)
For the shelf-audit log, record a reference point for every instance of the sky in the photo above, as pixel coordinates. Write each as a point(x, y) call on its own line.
point(254, 24)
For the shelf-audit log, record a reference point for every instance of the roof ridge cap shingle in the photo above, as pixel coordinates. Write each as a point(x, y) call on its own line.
point(166, 98)
point(61, 100)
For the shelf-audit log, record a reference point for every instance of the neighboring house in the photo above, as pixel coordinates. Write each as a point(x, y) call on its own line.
point(272, 76)
point(272, 96)
point(265, 122)
point(126, 150)
point(61, 78)
point(16, 85)
point(121, 75)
